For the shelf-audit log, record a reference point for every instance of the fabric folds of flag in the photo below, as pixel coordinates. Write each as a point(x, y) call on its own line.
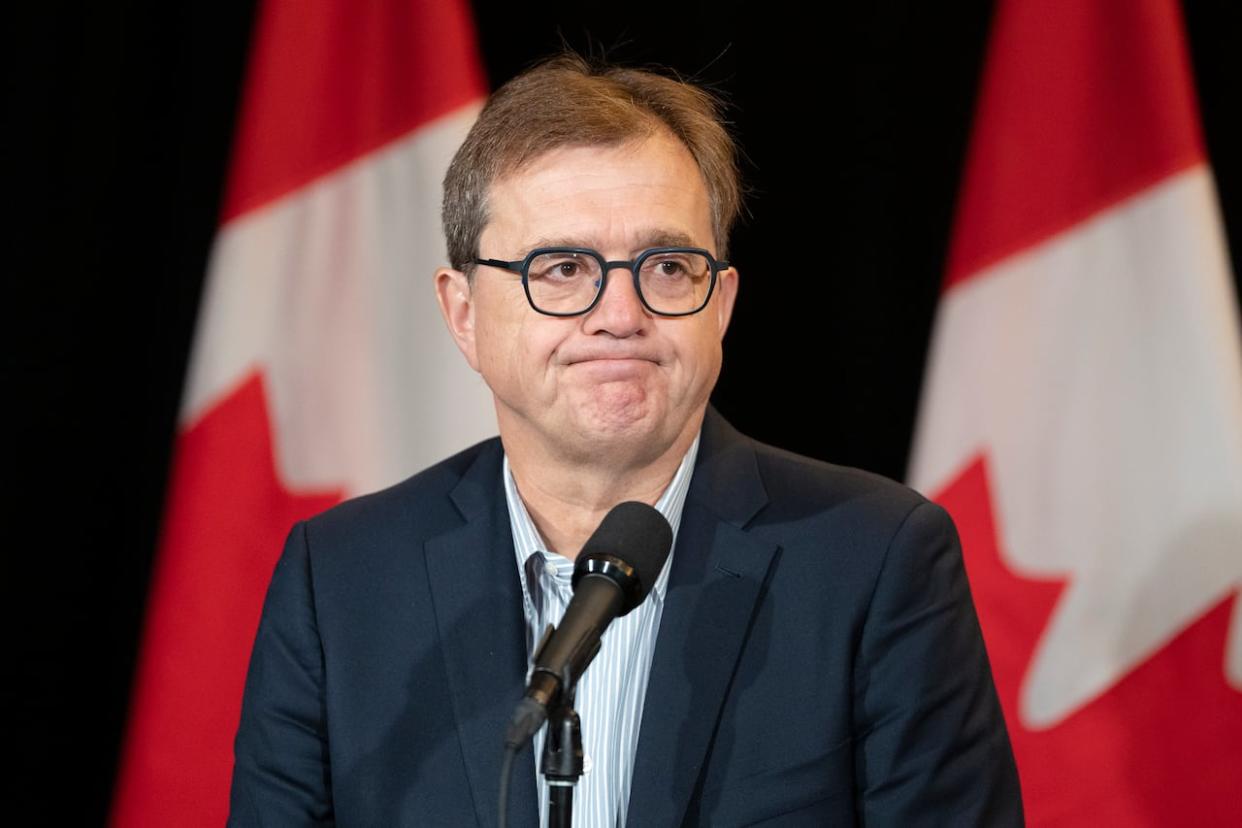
point(1082, 418)
point(320, 368)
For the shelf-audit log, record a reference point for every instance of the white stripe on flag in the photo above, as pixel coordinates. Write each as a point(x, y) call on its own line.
point(1101, 373)
point(330, 291)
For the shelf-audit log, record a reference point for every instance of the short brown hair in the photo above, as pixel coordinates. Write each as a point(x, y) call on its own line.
point(568, 101)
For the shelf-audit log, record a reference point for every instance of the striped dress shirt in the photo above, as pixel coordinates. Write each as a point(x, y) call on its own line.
point(610, 693)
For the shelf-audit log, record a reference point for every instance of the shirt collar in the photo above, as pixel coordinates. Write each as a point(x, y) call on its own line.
point(527, 540)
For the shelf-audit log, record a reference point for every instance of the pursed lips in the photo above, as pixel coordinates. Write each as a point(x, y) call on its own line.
point(607, 367)
point(606, 358)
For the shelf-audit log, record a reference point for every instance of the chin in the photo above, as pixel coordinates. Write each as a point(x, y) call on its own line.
point(623, 413)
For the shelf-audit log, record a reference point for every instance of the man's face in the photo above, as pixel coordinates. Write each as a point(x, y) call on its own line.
point(617, 383)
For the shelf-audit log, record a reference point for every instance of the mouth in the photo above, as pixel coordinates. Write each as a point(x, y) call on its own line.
point(614, 367)
point(612, 358)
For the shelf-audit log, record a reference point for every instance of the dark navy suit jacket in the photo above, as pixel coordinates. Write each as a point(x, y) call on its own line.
point(819, 661)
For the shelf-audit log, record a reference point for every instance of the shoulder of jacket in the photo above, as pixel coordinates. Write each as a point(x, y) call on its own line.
point(790, 476)
point(425, 493)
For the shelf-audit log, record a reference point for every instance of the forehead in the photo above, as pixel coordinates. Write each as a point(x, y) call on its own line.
point(627, 196)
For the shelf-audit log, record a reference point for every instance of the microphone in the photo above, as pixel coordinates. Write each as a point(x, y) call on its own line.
point(613, 574)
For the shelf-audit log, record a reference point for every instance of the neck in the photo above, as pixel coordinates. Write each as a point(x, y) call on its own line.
point(567, 498)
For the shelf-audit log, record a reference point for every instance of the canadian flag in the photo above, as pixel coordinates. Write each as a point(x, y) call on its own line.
point(320, 368)
point(1082, 418)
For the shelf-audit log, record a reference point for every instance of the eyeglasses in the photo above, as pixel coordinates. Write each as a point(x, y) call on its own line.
point(568, 281)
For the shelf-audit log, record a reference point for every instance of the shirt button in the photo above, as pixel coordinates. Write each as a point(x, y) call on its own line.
point(587, 764)
point(549, 569)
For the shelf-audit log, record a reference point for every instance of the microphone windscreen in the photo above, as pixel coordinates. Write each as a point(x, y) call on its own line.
point(637, 534)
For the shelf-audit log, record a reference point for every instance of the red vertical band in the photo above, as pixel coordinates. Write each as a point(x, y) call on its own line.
point(329, 82)
point(1081, 105)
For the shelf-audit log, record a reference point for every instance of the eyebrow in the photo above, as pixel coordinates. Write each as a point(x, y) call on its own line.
point(654, 238)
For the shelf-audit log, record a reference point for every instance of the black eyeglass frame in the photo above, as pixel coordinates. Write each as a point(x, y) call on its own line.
point(522, 267)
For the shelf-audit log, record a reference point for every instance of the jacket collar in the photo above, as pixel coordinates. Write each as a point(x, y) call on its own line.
point(716, 579)
point(478, 608)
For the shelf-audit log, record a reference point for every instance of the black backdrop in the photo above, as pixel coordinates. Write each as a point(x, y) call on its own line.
point(118, 124)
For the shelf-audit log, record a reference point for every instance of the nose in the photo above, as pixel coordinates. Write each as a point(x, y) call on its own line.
point(619, 311)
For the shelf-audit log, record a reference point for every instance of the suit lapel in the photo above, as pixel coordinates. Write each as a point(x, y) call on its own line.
point(478, 608)
point(717, 575)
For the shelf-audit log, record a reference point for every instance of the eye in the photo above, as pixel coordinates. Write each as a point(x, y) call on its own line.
point(670, 267)
point(558, 267)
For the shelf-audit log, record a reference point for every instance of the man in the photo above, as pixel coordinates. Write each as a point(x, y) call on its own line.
point(809, 655)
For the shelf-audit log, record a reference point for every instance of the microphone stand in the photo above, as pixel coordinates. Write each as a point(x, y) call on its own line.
point(562, 760)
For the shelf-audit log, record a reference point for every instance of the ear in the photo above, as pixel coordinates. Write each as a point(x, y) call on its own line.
point(456, 300)
point(726, 295)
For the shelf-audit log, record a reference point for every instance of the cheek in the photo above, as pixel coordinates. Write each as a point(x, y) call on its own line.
point(487, 350)
point(701, 366)
point(496, 328)
point(701, 355)
point(516, 352)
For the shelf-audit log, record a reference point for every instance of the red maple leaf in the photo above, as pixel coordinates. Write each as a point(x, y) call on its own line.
point(225, 522)
point(1163, 746)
